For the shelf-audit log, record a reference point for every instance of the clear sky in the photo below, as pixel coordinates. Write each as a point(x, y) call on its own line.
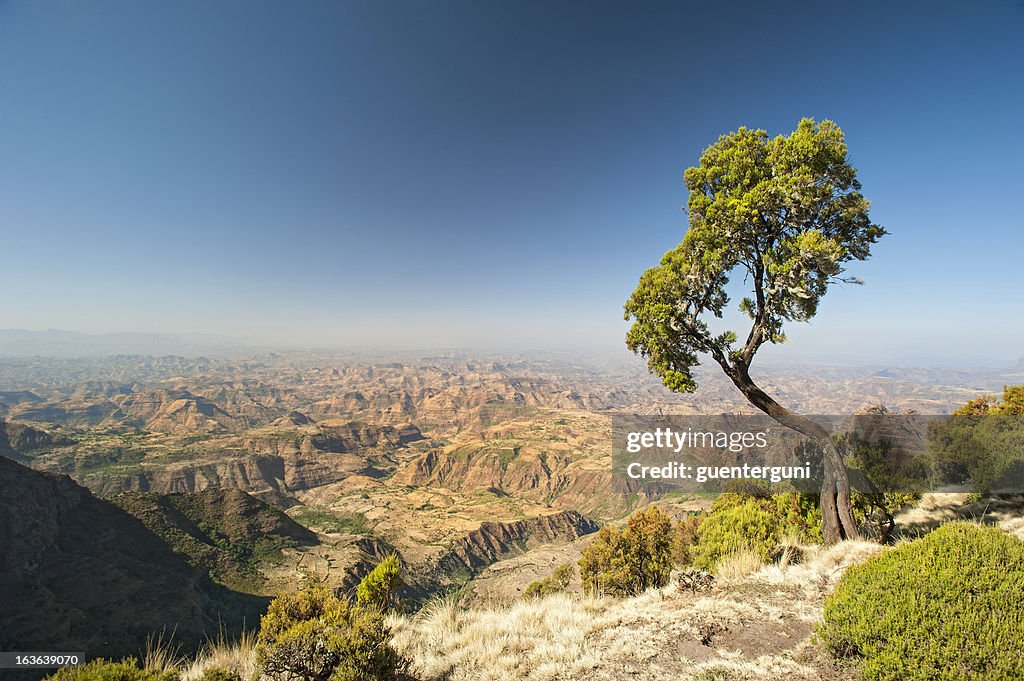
point(478, 173)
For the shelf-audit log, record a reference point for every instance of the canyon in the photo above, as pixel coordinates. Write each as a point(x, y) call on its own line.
point(235, 479)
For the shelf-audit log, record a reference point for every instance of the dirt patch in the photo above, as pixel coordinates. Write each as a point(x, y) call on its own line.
point(754, 639)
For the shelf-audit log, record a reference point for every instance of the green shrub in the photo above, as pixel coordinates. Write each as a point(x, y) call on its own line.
point(220, 674)
point(799, 516)
point(731, 499)
point(379, 588)
point(627, 562)
point(747, 518)
point(318, 637)
point(537, 589)
point(557, 582)
point(684, 539)
point(734, 526)
point(339, 522)
point(948, 606)
point(981, 443)
point(108, 670)
point(562, 575)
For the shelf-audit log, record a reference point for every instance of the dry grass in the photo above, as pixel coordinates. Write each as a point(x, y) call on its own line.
point(755, 624)
point(739, 564)
point(161, 653)
point(656, 636)
point(237, 656)
point(446, 641)
point(1014, 526)
point(941, 507)
point(755, 621)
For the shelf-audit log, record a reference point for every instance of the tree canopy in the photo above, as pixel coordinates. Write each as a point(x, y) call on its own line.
point(786, 213)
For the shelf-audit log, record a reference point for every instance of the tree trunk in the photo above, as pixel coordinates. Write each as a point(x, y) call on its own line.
point(837, 521)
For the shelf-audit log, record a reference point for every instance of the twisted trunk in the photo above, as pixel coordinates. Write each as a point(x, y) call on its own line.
point(837, 521)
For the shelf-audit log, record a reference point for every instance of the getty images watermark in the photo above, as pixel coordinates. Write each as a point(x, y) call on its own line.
point(883, 452)
point(675, 441)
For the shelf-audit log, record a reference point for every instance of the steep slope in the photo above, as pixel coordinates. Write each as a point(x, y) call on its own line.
point(227, 531)
point(492, 542)
point(553, 457)
point(80, 574)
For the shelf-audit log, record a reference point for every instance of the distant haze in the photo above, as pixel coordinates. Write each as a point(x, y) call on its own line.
point(485, 174)
point(53, 343)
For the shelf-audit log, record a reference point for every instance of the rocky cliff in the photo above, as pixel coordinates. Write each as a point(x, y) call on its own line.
point(492, 542)
point(257, 474)
point(265, 461)
point(562, 479)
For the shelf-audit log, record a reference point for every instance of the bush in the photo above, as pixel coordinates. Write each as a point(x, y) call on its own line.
point(982, 443)
point(948, 606)
point(684, 539)
point(108, 670)
point(557, 582)
point(628, 562)
point(317, 637)
point(799, 516)
point(736, 525)
point(220, 674)
point(379, 588)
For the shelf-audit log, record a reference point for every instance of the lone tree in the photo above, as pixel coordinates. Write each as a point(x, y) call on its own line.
point(786, 214)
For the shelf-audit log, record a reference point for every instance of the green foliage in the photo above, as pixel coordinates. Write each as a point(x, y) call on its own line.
point(799, 516)
point(332, 521)
point(948, 606)
point(234, 537)
point(378, 589)
point(557, 582)
point(982, 443)
point(787, 213)
point(898, 479)
point(563, 574)
point(109, 670)
point(736, 524)
point(750, 517)
point(220, 674)
point(684, 539)
point(538, 589)
point(886, 468)
point(1011, 404)
point(627, 562)
point(316, 636)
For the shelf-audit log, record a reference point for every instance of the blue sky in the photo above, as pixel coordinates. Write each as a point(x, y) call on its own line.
point(488, 174)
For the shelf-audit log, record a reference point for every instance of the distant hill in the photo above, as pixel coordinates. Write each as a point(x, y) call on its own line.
point(57, 343)
point(80, 574)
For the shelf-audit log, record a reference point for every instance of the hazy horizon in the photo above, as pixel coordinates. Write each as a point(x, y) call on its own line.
point(482, 174)
point(69, 344)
